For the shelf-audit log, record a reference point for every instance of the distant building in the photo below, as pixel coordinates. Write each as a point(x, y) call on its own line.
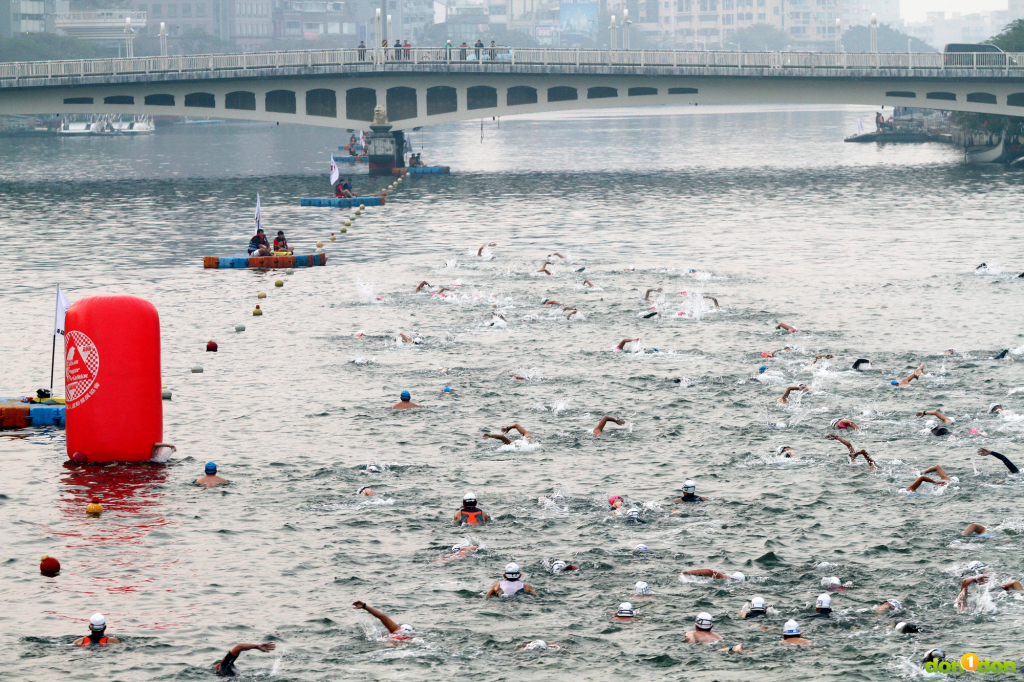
point(179, 17)
point(942, 28)
point(29, 16)
point(858, 12)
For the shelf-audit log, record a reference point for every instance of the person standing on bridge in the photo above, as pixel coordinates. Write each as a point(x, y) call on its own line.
point(407, 48)
point(462, 50)
point(398, 50)
point(448, 51)
point(362, 51)
point(479, 45)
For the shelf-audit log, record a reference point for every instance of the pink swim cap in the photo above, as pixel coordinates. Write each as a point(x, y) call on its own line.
point(764, 354)
point(974, 430)
point(611, 500)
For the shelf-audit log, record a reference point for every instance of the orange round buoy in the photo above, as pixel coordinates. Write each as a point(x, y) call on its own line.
point(49, 566)
point(79, 458)
point(211, 346)
point(94, 507)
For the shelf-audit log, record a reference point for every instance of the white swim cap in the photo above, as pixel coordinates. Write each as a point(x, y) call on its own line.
point(689, 487)
point(824, 601)
point(781, 449)
point(895, 604)
point(512, 568)
point(993, 406)
point(469, 497)
point(834, 422)
point(977, 567)
point(831, 582)
point(405, 627)
point(634, 513)
point(642, 589)
point(97, 622)
point(791, 628)
point(931, 423)
point(558, 566)
point(758, 604)
point(456, 548)
point(900, 627)
point(537, 644)
point(704, 621)
point(640, 549)
point(738, 576)
point(625, 610)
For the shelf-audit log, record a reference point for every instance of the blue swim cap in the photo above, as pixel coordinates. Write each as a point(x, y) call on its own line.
point(447, 389)
point(894, 382)
point(211, 467)
point(762, 369)
point(406, 395)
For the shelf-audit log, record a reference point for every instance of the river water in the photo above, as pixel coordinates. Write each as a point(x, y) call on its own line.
point(871, 250)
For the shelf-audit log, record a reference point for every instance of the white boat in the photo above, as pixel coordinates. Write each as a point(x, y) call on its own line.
point(140, 125)
point(76, 128)
point(986, 154)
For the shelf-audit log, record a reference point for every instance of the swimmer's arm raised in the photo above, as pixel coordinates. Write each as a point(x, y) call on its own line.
point(788, 328)
point(517, 427)
point(1009, 465)
point(961, 599)
point(419, 286)
point(624, 342)
point(391, 625)
point(599, 429)
point(842, 440)
point(497, 436)
point(935, 413)
point(244, 646)
point(588, 283)
point(480, 251)
point(712, 298)
point(649, 293)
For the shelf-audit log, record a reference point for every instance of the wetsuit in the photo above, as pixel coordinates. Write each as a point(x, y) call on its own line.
point(510, 588)
point(1009, 465)
point(473, 515)
point(226, 668)
point(860, 361)
point(99, 640)
point(688, 497)
point(755, 614)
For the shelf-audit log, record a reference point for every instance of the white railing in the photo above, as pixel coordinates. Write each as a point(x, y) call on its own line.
point(501, 58)
point(103, 17)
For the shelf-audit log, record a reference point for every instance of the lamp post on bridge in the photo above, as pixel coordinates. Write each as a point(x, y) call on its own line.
point(129, 38)
point(874, 33)
point(163, 39)
point(839, 35)
point(625, 29)
point(614, 27)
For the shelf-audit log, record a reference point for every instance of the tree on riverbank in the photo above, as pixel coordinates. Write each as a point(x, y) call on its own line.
point(34, 47)
point(858, 39)
point(761, 37)
point(1011, 39)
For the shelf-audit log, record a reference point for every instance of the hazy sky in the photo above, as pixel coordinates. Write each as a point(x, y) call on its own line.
point(915, 10)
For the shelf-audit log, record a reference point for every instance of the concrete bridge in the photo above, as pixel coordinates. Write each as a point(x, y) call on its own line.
point(423, 86)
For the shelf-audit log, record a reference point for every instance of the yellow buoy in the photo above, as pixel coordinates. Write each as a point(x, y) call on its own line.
point(362, 207)
point(333, 238)
point(280, 282)
point(319, 245)
point(348, 223)
point(262, 294)
point(344, 229)
point(94, 507)
point(257, 312)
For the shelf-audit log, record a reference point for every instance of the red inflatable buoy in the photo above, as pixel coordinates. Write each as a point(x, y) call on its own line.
point(211, 346)
point(112, 379)
point(49, 566)
point(79, 458)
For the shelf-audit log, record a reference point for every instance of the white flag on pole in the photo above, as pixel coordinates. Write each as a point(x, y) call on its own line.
point(860, 125)
point(62, 308)
point(257, 213)
point(334, 172)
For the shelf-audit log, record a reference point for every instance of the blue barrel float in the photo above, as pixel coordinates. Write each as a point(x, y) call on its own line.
point(256, 262)
point(332, 202)
point(19, 413)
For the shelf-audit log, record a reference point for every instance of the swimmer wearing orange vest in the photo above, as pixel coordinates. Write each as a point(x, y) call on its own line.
point(97, 626)
point(470, 513)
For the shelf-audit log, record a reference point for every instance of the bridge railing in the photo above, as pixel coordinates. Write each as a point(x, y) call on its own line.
point(503, 56)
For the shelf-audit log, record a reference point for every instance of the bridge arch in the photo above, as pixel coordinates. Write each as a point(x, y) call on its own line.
point(481, 97)
point(160, 100)
point(642, 91)
point(280, 101)
point(240, 99)
point(401, 103)
point(1015, 100)
point(982, 98)
point(442, 99)
point(520, 94)
point(947, 96)
point(204, 100)
point(562, 93)
point(78, 100)
point(119, 99)
point(323, 102)
point(359, 103)
point(901, 93)
point(601, 91)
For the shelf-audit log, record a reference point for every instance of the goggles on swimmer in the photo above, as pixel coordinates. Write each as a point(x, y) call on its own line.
point(704, 621)
point(642, 589)
point(758, 604)
point(625, 610)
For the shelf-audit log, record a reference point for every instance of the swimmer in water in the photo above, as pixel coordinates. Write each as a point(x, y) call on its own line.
point(859, 364)
point(480, 251)
point(995, 407)
point(405, 403)
point(984, 452)
point(833, 584)
point(470, 513)
point(712, 299)
point(512, 584)
point(788, 328)
point(527, 436)
point(641, 589)
point(791, 634)
point(827, 356)
point(625, 613)
point(419, 286)
point(889, 605)
point(785, 451)
point(935, 413)
point(211, 478)
point(398, 632)
point(458, 552)
point(226, 666)
point(544, 267)
point(961, 598)
point(550, 301)
point(622, 344)
point(843, 424)
point(560, 567)
point(646, 296)
point(556, 254)
point(853, 455)
point(823, 606)
point(599, 429)
point(974, 529)
point(616, 502)
point(587, 282)
point(758, 609)
point(717, 575)
point(936, 468)
point(916, 374)
point(690, 493)
point(538, 645)
point(96, 636)
point(572, 312)
point(366, 491)
point(784, 400)
point(701, 634)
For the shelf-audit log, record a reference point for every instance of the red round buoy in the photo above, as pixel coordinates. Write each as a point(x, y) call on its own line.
point(49, 566)
point(257, 306)
point(80, 458)
point(211, 346)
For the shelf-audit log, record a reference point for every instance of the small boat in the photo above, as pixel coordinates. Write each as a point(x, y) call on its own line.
point(901, 136)
point(73, 128)
point(976, 155)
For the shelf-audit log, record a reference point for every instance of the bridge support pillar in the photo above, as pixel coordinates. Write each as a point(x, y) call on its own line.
point(383, 150)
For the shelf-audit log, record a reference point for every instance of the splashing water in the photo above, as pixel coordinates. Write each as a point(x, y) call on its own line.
point(695, 306)
point(561, 406)
point(276, 666)
point(365, 291)
point(452, 264)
